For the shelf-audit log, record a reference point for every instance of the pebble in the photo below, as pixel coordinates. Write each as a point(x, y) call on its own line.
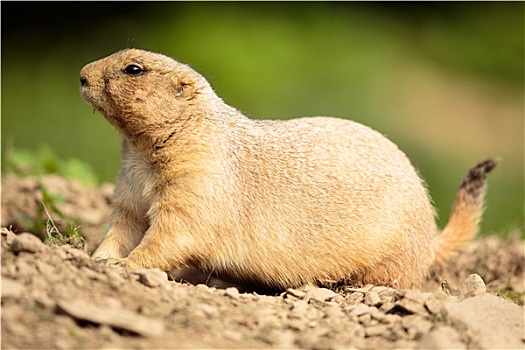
point(151, 277)
point(473, 285)
point(387, 307)
point(365, 319)
point(294, 292)
point(114, 317)
point(8, 234)
point(372, 298)
point(60, 252)
point(378, 330)
point(78, 255)
point(334, 313)
point(299, 309)
point(207, 310)
point(413, 301)
point(359, 309)
point(434, 305)
point(283, 339)
point(232, 292)
point(382, 317)
point(232, 335)
point(28, 243)
point(321, 294)
point(11, 288)
point(415, 325)
point(441, 337)
point(355, 297)
point(44, 301)
point(380, 289)
point(338, 299)
point(485, 316)
point(45, 269)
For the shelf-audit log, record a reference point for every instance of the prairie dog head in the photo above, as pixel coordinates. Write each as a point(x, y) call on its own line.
point(142, 93)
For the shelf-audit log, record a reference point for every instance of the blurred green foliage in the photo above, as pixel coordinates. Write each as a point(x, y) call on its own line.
point(444, 81)
point(45, 161)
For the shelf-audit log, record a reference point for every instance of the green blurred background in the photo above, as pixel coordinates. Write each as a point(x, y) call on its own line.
point(442, 80)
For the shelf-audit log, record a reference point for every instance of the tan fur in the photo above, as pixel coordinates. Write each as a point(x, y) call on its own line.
point(271, 203)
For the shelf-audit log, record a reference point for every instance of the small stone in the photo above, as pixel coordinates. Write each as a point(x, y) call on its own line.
point(380, 289)
point(382, 317)
point(372, 298)
point(486, 315)
point(318, 303)
point(413, 301)
point(59, 252)
point(61, 343)
point(334, 313)
point(365, 319)
point(9, 270)
point(283, 339)
point(105, 332)
point(299, 309)
point(11, 288)
point(297, 325)
point(151, 277)
point(441, 337)
point(43, 300)
point(321, 294)
point(387, 307)
point(359, 309)
point(387, 293)
point(112, 303)
point(338, 299)
point(9, 235)
point(473, 285)
point(45, 269)
point(232, 292)
point(378, 330)
point(415, 325)
point(434, 305)
point(27, 242)
point(78, 255)
point(207, 310)
point(114, 317)
point(295, 293)
point(355, 298)
point(232, 335)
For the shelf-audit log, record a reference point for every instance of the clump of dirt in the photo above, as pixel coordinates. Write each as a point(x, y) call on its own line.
point(64, 300)
point(29, 203)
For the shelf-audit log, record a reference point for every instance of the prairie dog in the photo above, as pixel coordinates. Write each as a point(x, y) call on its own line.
point(275, 204)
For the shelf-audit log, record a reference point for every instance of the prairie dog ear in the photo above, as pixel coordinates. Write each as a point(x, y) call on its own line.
point(185, 89)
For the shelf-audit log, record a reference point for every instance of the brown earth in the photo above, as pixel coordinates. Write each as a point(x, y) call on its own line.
point(55, 296)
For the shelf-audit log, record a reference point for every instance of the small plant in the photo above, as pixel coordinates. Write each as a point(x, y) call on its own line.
point(39, 163)
point(513, 295)
point(43, 225)
point(72, 236)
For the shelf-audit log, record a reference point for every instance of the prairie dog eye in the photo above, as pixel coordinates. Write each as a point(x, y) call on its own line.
point(133, 69)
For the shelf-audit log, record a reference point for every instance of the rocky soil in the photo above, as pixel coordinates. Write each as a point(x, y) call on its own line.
point(55, 296)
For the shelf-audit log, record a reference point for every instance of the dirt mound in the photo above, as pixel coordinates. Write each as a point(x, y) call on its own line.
point(55, 296)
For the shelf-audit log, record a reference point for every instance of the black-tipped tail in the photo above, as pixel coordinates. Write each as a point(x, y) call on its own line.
point(466, 214)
